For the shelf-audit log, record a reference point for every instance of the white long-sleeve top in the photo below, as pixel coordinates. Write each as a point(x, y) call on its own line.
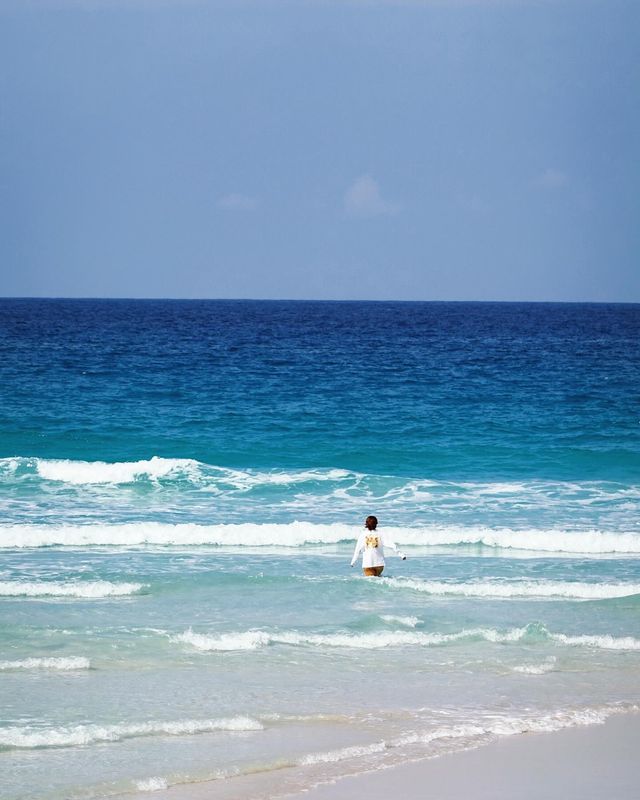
point(372, 543)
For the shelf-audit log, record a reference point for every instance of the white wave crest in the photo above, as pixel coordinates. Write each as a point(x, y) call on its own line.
point(554, 541)
point(87, 472)
point(380, 487)
point(81, 735)
point(298, 534)
point(151, 785)
point(85, 589)
point(535, 669)
point(81, 473)
point(604, 642)
point(249, 640)
point(511, 726)
point(409, 622)
point(255, 639)
point(252, 640)
point(64, 664)
point(295, 534)
point(331, 756)
point(519, 588)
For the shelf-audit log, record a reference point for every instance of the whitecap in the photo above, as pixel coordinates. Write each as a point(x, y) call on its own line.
point(52, 663)
point(601, 642)
point(409, 622)
point(536, 669)
point(83, 589)
point(95, 472)
point(81, 735)
point(331, 756)
point(518, 588)
point(252, 640)
point(298, 534)
point(248, 640)
point(151, 784)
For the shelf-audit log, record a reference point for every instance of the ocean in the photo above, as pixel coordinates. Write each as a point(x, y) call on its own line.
point(181, 487)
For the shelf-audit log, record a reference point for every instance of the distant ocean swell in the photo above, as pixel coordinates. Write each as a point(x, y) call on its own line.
point(299, 534)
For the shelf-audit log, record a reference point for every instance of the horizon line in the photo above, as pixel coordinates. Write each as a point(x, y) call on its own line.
point(308, 300)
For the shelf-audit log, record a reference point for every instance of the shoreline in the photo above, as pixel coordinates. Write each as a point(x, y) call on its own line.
point(582, 762)
point(586, 762)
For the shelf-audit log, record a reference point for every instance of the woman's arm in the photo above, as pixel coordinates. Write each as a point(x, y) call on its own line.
point(359, 546)
point(388, 542)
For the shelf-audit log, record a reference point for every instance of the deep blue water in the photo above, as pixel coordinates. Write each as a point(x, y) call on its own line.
point(445, 390)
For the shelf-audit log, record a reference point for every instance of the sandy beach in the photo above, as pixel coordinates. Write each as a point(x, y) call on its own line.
point(585, 763)
point(594, 762)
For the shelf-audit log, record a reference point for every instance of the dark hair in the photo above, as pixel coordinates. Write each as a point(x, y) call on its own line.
point(371, 523)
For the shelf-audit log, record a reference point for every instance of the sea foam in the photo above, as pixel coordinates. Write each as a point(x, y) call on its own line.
point(393, 619)
point(602, 642)
point(81, 473)
point(80, 735)
point(255, 639)
point(84, 589)
point(88, 472)
point(52, 663)
point(518, 588)
point(535, 669)
point(252, 640)
point(298, 534)
point(151, 784)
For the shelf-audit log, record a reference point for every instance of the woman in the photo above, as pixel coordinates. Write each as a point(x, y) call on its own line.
point(373, 543)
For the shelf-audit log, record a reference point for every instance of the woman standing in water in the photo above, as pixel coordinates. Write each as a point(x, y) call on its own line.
point(373, 544)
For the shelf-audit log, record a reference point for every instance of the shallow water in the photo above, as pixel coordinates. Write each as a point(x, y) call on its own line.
point(180, 487)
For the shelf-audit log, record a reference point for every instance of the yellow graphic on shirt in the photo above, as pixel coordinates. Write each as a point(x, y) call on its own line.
point(371, 541)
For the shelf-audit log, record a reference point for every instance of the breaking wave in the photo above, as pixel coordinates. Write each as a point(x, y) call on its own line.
point(449, 509)
point(81, 473)
point(65, 664)
point(252, 640)
point(298, 534)
point(80, 735)
point(604, 642)
point(151, 784)
point(535, 669)
point(255, 639)
point(520, 588)
point(86, 589)
point(87, 472)
point(409, 622)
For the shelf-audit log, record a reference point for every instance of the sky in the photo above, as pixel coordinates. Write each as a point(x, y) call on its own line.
point(311, 149)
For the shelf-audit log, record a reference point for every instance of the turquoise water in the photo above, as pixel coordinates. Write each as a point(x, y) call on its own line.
point(181, 485)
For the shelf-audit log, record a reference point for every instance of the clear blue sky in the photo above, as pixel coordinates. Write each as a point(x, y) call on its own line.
point(470, 150)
